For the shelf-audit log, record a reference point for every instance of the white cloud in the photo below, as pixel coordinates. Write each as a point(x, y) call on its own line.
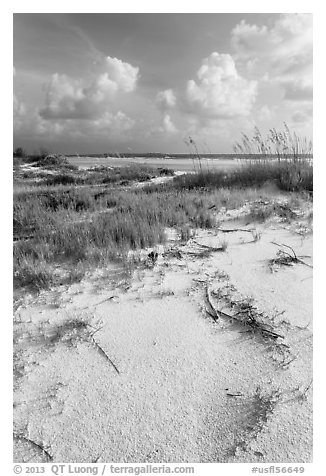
point(220, 91)
point(28, 122)
point(75, 110)
point(68, 98)
point(19, 108)
point(281, 52)
point(123, 74)
point(112, 124)
point(290, 37)
point(168, 125)
point(166, 99)
point(64, 98)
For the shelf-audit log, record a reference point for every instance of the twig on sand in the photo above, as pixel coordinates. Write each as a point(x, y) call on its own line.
point(233, 230)
point(97, 329)
point(286, 246)
point(249, 320)
point(211, 248)
point(102, 352)
point(305, 390)
point(97, 459)
point(211, 311)
point(286, 259)
point(199, 254)
point(302, 328)
point(304, 279)
point(35, 445)
point(253, 324)
point(100, 302)
point(234, 394)
point(173, 253)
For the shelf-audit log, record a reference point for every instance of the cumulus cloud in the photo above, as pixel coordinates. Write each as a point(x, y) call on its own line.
point(290, 37)
point(217, 94)
point(166, 100)
point(118, 123)
point(29, 123)
point(219, 91)
point(123, 74)
point(68, 98)
point(64, 98)
point(168, 125)
point(281, 52)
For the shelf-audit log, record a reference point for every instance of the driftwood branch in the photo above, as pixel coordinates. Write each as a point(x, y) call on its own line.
point(255, 326)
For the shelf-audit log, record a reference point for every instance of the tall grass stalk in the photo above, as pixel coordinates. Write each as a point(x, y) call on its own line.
point(284, 144)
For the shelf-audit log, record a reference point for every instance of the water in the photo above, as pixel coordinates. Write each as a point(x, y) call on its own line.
point(185, 164)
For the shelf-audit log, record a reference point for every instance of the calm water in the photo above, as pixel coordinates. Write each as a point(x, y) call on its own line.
point(182, 164)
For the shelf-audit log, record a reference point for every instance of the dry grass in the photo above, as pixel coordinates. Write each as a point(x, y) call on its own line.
point(64, 225)
point(93, 226)
point(287, 175)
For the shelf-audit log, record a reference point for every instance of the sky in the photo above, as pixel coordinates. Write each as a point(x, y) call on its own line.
point(146, 82)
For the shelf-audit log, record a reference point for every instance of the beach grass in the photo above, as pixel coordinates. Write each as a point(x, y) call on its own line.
point(71, 218)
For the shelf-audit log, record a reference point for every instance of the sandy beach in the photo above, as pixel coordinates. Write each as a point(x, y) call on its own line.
point(150, 372)
point(181, 164)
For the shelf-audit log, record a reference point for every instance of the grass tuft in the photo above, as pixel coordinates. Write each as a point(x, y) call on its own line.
point(77, 219)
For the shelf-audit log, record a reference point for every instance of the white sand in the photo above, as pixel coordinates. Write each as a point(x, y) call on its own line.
point(169, 402)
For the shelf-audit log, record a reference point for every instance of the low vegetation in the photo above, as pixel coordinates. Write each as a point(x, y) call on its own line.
point(66, 220)
point(286, 175)
point(92, 225)
point(281, 157)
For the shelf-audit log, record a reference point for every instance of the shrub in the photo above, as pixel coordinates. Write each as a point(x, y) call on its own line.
point(63, 179)
point(52, 160)
point(20, 152)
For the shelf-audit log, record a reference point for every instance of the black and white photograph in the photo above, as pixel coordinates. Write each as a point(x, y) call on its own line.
point(162, 241)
